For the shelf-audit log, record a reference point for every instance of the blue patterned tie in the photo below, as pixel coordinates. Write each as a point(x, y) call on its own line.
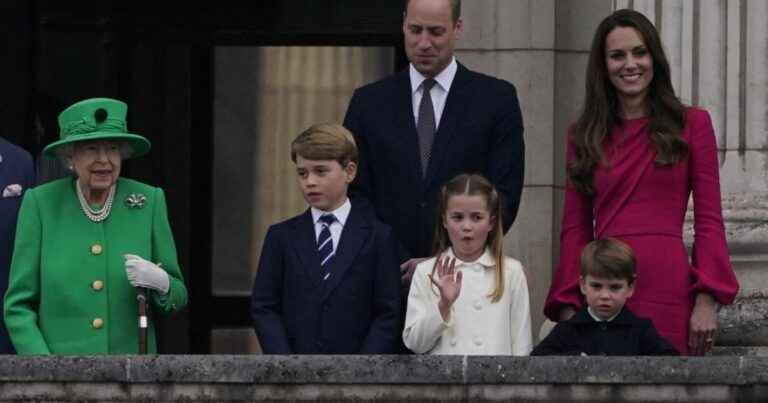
point(325, 243)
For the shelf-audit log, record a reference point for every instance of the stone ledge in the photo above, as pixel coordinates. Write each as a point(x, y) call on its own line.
point(387, 369)
point(745, 322)
point(384, 378)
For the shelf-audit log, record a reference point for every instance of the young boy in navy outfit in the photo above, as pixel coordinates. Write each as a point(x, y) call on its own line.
point(328, 280)
point(605, 326)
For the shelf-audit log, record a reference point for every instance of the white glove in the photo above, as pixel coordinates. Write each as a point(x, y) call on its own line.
point(143, 273)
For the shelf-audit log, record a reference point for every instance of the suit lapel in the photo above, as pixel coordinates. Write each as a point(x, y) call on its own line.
point(353, 237)
point(454, 107)
point(405, 125)
point(305, 244)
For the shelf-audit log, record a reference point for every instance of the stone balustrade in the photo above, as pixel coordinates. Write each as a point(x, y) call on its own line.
point(384, 378)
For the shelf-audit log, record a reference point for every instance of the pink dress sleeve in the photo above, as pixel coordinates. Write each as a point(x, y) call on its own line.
point(711, 265)
point(576, 231)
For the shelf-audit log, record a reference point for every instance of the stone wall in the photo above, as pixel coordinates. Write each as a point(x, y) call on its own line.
point(541, 46)
point(384, 379)
point(718, 51)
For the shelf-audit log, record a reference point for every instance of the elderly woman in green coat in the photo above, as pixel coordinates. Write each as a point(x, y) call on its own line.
point(85, 244)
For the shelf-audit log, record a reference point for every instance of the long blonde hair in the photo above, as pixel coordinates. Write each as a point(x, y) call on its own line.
point(473, 185)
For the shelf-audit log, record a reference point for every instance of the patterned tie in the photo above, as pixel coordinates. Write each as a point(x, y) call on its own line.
point(325, 243)
point(426, 126)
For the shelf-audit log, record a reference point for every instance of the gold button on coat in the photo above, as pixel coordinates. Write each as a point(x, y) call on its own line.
point(97, 285)
point(96, 249)
point(98, 323)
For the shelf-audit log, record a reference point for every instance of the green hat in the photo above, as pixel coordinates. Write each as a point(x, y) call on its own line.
point(97, 119)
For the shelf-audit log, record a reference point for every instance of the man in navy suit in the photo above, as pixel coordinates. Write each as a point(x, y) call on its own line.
point(419, 128)
point(328, 279)
point(16, 176)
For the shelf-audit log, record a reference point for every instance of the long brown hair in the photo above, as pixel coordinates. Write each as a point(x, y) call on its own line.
point(601, 105)
point(473, 185)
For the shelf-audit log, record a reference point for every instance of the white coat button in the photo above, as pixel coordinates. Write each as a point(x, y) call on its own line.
point(478, 305)
point(478, 341)
point(453, 341)
point(96, 249)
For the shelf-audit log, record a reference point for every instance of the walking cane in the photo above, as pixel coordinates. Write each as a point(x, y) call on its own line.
point(141, 296)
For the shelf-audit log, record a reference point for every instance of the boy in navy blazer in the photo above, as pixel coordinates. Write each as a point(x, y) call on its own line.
point(605, 326)
point(328, 279)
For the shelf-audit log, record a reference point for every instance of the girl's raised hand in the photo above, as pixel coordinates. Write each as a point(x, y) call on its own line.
point(449, 284)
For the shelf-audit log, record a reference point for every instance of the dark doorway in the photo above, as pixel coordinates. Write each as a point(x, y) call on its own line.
point(163, 62)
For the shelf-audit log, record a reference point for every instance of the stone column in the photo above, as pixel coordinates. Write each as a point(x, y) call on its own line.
point(541, 47)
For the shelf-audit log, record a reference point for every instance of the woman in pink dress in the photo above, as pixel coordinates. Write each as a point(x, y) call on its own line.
point(634, 157)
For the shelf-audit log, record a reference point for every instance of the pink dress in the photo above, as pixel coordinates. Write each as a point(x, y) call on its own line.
point(644, 205)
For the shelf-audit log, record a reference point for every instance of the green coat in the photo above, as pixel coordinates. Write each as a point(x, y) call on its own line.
point(68, 291)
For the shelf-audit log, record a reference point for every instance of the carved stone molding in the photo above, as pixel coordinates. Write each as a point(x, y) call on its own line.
point(745, 323)
point(746, 222)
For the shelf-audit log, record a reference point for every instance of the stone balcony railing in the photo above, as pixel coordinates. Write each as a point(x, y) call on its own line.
point(384, 379)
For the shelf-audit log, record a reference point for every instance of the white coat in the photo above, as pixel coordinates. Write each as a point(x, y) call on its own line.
point(476, 325)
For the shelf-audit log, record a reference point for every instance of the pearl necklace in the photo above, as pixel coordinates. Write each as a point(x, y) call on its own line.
point(98, 215)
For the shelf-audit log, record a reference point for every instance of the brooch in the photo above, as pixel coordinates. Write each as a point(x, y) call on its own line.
point(135, 200)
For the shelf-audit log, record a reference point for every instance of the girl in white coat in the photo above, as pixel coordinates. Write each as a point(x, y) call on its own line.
point(469, 299)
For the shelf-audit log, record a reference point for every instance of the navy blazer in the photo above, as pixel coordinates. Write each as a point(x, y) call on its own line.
point(626, 334)
point(480, 131)
point(355, 310)
point(16, 168)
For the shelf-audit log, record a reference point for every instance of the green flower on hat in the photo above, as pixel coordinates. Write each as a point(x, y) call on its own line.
point(97, 119)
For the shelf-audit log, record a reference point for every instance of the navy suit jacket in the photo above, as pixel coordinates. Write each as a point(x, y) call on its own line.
point(480, 131)
point(626, 334)
point(15, 169)
point(356, 310)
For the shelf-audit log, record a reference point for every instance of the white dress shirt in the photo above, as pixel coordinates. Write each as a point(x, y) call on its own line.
point(439, 92)
point(598, 319)
point(341, 213)
point(476, 325)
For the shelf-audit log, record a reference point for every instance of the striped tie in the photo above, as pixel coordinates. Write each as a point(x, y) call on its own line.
point(325, 243)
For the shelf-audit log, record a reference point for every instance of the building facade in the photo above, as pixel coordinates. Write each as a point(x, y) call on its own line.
point(221, 89)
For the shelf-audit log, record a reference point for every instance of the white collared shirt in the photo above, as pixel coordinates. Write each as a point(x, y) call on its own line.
point(597, 318)
point(439, 92)
point(341, 213)
point(476, 325)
